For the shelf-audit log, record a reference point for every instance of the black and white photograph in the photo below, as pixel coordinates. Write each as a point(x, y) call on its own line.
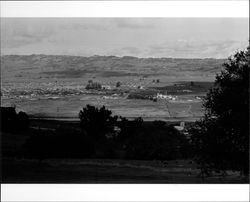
point(125, 100)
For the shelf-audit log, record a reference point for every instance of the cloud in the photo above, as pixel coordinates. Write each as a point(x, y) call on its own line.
point(135, 23)
point(84, 24)
point(140, 37)
point(132, 51)
point(16, 33)
point(196, 49)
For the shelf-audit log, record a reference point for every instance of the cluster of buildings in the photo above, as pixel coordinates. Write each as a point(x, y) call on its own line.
point(26, 90)
point(169, 97)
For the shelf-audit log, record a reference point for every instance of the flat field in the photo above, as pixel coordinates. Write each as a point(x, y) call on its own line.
point(69, 106)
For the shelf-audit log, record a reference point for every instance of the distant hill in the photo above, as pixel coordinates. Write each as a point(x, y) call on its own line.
point(60, 66)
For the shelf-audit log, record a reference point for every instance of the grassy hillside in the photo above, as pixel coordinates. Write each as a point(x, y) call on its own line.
point(59, 66)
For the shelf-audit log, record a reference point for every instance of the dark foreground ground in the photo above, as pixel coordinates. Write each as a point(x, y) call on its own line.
point(108, 171)
point(16, 169)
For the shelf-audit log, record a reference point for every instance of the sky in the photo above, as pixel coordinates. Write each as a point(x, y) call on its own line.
point(139, 37)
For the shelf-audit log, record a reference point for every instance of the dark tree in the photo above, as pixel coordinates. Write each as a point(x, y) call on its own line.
point(148, 141)
point(23, 120)
point(97, 123)
point(128, 129)
point(11, 121)
point(155, 143)
point(8, 118)
point(62, 143)
point(221, 138)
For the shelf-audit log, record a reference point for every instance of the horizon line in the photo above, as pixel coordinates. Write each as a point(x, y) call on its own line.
point(41, 54)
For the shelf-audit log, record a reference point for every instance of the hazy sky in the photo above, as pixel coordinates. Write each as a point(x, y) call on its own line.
point(141, 37)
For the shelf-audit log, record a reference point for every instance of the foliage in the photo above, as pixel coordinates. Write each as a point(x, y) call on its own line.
point(149, 141)
point(159, 123)
point(155, 143)
point(12, 121)
point(59, 144)
point(22, 121)
point(97, 123)
point(221, 138)
point(105, 136)
point(128, 129)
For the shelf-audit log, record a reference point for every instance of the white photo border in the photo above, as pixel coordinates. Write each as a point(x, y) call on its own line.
point(125, 192)
point(125, 8)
